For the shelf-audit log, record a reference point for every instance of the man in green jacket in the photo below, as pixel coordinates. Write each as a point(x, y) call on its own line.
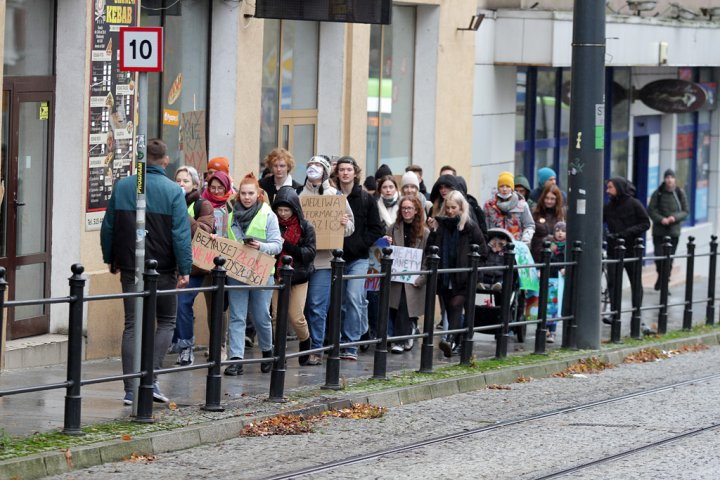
point(668, 210)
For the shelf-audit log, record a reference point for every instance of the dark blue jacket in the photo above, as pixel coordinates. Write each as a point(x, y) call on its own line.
point(166, 224)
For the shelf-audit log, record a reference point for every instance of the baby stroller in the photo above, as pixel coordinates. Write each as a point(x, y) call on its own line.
point(488, 301)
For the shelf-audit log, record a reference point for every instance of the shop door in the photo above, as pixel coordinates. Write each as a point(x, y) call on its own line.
point(298, 134)
point(27, 132)
point(646, 157)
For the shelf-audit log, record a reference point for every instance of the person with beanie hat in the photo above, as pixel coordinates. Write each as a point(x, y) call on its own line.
point(417, 170)
point(522, 186)
point(370, 185)
point(506, 209)
point(318, 172)
point(668, 209)
point(218, 164)
point(545, 175)
point(383, 171)
point(410, 185)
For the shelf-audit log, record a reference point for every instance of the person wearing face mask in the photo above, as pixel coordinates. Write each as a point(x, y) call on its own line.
point(506, 209)
point(281, 163)
point(318, 286)
point(388, 201)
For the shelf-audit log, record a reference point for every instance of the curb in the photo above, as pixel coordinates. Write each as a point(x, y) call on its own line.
point(57, 462)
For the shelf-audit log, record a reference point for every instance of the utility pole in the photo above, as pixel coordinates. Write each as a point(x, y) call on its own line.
point(585, 163)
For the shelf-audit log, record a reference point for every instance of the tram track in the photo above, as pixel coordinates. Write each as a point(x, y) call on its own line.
point(516, 421)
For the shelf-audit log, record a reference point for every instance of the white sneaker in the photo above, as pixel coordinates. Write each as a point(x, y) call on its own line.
point(409, 343)
point(397, 348)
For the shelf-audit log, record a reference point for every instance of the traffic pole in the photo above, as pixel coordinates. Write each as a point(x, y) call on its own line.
point(585, 162)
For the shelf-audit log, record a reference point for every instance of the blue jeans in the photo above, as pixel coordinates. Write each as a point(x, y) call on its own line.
point(258, 302)
point(316, 305)
point(185, 322)
point(355, 304)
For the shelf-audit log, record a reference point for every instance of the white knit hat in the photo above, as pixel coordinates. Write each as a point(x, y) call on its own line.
point(410, 178)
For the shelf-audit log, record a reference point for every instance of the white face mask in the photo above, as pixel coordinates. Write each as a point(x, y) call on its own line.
point(314, 172)
point(504, 197)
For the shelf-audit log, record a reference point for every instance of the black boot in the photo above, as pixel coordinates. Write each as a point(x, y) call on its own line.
point(266, 367)
point(446, 348)
point(304, 345)
point(235, 369)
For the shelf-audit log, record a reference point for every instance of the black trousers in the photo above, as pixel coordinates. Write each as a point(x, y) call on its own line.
point(658, 243)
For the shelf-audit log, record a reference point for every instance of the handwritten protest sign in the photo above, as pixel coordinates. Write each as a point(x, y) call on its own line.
point(325, 213)
point(406, 260)
point(243, 263)
point(374, 265)
point(192, 137)
point(528, 276)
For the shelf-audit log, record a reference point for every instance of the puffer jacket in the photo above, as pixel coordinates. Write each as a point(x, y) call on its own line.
point(303, 254)
point(624, 215)
point(666, 203)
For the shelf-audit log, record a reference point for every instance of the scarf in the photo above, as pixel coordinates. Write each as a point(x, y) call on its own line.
point(292, 234)
point(242, 217)
point(215, 200)
point(390, 202)
point(388, 209)
point(506, 205)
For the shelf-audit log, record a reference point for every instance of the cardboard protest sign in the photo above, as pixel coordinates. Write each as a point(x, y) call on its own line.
point(243, 263)
point(192, 138)
point(325, 213)
point(406, 260)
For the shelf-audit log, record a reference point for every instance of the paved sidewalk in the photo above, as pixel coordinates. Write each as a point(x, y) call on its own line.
point(43, 411)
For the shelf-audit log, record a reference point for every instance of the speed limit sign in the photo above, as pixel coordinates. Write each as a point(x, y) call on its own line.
point(141, 49)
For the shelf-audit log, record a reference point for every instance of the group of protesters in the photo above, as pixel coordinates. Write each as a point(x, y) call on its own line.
point(265, 214)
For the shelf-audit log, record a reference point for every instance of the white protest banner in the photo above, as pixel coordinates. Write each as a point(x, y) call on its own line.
point(325, 213)
point(243, 263)
point(406, 260)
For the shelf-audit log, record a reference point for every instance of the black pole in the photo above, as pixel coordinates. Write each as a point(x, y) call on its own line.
point(570, 326)
point(636, 319)
point(73, 400)
point(3, 288)
point(213, 382)
point(689, 277)
point(664, 285)
point(277, 377)
point(426, 354)
point(585, 162)
point(710, 310)
point(380, 361)
point(467, 345)
point(541, 330)
point(507, 292)
point(145, 395)
point(332, 367)
point(617, 291)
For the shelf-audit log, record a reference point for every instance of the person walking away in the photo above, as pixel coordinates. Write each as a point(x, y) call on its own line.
point(252, 222)
point(356, 248)
point(318, 299)
point(522, 186)
point(407, 300)
point(626, 218)
point(454, 233)
point(410, 186)
point(668, 209)
point(299, 243)
point(167, 242)
point(508, 210)
point(201, 215)
point(548, 211)
point(281, 163)
point(388, 202)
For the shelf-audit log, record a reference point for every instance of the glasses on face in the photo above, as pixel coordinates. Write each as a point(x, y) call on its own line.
point(408, 209)
point(217, 189)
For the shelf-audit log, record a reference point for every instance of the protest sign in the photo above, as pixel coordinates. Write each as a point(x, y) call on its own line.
point(325, 213)
point(192, 140)
point(374, 264)
point(243, 263)
point(528, 276)
point(406, 260)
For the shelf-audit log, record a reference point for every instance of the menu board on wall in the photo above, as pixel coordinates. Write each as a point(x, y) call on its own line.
point(112, 107)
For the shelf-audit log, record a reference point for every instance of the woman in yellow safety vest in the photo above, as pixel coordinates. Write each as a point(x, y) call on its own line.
point(252, 222)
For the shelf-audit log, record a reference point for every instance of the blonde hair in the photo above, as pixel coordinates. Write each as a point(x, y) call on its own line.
point(458, 198)
point(280, 154)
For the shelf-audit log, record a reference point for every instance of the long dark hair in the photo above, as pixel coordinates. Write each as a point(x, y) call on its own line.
point(418, 223)
point(557, 211)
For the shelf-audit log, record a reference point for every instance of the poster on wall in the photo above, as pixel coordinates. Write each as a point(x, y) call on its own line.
point(192, 140)
point(111, 129)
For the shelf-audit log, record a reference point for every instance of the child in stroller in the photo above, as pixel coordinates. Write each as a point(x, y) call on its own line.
point(491, 280)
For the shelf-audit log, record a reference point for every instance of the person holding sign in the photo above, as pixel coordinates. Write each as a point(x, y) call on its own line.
point(318, 286)
point(298, 242)
point(407, 300)
point(252, 222)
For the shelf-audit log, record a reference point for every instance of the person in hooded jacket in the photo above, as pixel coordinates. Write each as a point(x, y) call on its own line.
point(522, 186)
point(454, 233)
point(281, 163)
point(626, 219)
point(447, 183)
point(318, 299)
point(299, 243)
point(506, 209)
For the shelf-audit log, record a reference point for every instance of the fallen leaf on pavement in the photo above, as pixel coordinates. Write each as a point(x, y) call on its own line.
point(585, 365)
point(68, 457)
point(498, 387)
point(126, 437)
point(172, 406)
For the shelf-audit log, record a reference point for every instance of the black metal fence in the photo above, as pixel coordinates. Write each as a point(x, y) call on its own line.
point(213, 392)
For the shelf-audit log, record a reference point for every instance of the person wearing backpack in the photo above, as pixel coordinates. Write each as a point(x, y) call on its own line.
point(200, 214)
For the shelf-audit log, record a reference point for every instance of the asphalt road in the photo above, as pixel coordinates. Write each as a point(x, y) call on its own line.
point(526, 450)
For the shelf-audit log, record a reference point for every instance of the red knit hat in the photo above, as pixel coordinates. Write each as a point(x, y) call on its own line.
point(221, 164)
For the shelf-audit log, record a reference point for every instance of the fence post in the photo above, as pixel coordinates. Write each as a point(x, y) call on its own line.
point(689, 277)
point(617, 291)
point(380, 360)
point(145, 393)
point(507, 291)
point(664, 285)
point(332, 367)
point(73, 400)
point(277, 377)
point(426, 353)
point(569, 327)
point(710, 310)
point(3, 288)
point(541, 330)
point(213, 383)
point(468, 343)
point(636, 318)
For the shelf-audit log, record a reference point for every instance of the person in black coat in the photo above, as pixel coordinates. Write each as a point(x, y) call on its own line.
point(454, 233)
point(626, 219)
point(280, 162)
point(299, 243)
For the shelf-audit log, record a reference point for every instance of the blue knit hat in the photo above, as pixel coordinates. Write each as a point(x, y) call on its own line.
point(545, 174)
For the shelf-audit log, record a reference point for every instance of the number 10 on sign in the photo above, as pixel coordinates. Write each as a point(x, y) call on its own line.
point(141, 49)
